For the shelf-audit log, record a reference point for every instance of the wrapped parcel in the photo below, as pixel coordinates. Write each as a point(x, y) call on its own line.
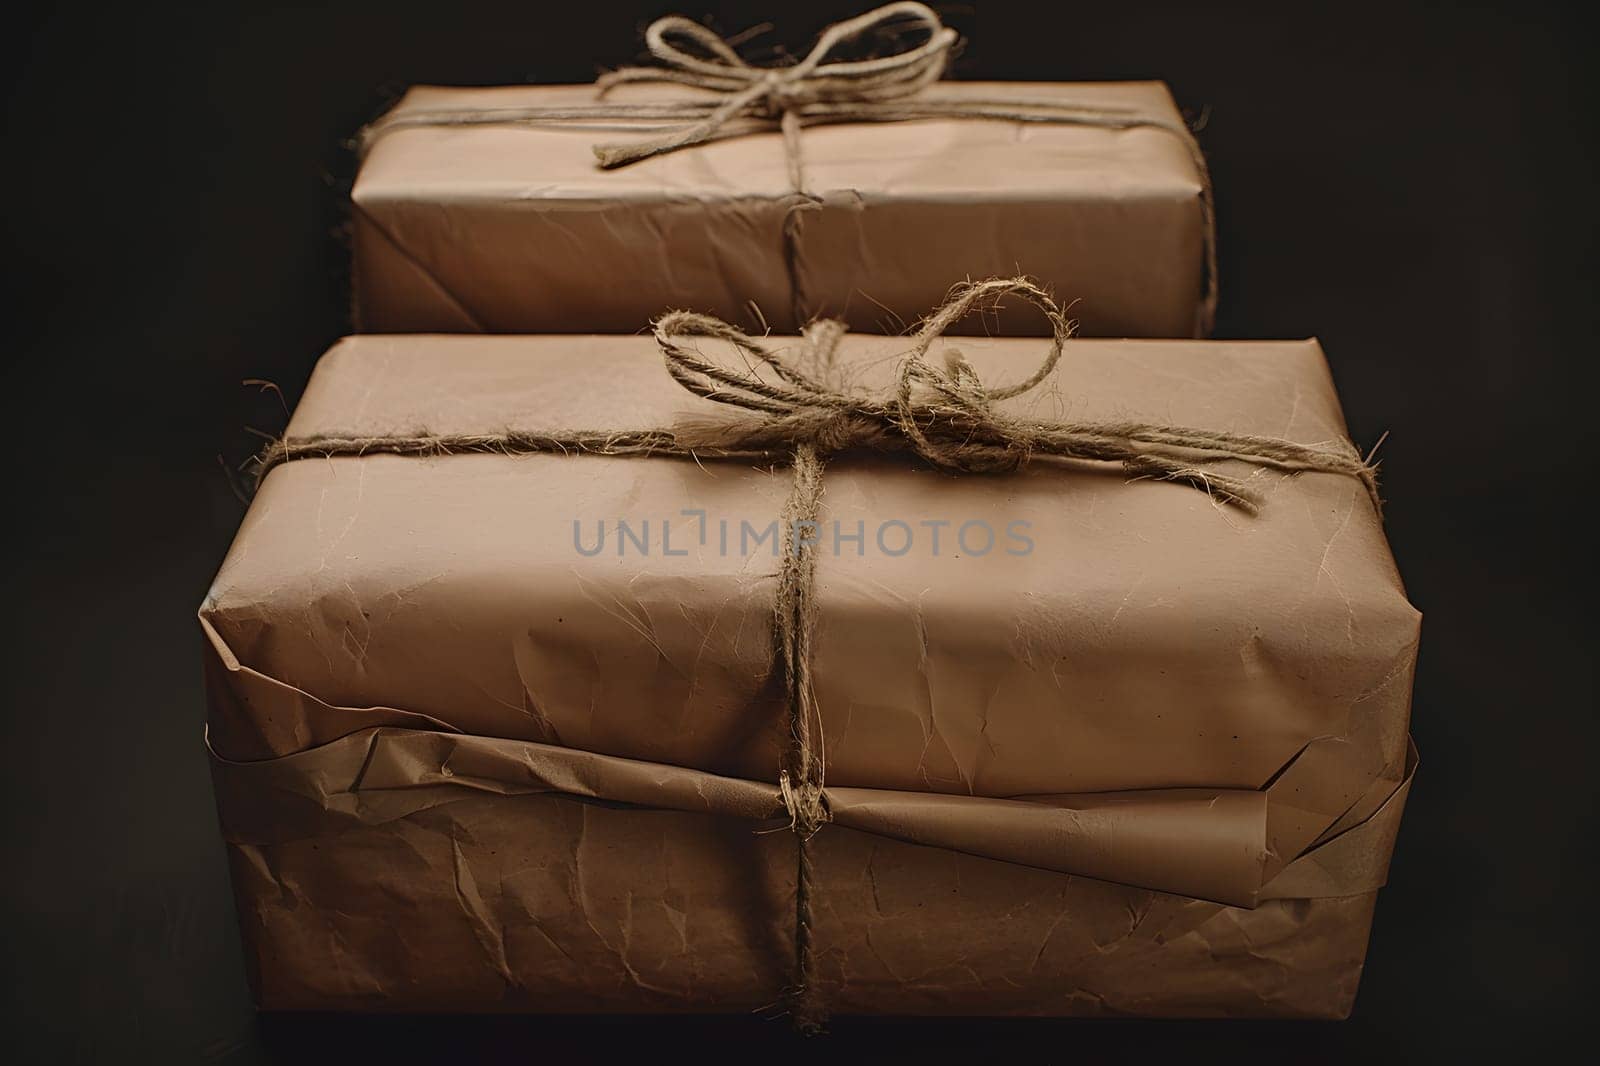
point(499, 732)
point(512, 227)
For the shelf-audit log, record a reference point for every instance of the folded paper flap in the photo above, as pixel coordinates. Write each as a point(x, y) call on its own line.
point(1206, 844)
point(1331, 779)
point(402, 760)
point(252, 713)
point(1357, 858)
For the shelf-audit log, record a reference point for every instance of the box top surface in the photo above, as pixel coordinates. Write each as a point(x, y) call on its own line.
point(1150, 637)
point(552, 163)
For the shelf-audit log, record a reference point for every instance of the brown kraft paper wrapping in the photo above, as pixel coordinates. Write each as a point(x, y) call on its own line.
point(515, 229)
point(1154, 766)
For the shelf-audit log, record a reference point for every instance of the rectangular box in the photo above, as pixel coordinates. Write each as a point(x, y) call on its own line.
point(1152, 765)
point(514, 228)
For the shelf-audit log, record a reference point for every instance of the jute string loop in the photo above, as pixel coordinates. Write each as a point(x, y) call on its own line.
point(796, 409)
point(779, 93)
point(947, 415)
point(741, 96)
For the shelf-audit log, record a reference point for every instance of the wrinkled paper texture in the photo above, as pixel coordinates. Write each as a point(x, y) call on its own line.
point(514, 229)
point(1154, 766)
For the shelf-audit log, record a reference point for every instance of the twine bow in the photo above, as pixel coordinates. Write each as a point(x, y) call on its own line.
point(837, 88)
point(948, 416)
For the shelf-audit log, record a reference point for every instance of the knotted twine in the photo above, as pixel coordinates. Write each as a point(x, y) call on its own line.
point(817, 89)
point(800, 413)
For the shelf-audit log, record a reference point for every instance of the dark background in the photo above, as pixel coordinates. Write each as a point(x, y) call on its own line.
point(1413, 183)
